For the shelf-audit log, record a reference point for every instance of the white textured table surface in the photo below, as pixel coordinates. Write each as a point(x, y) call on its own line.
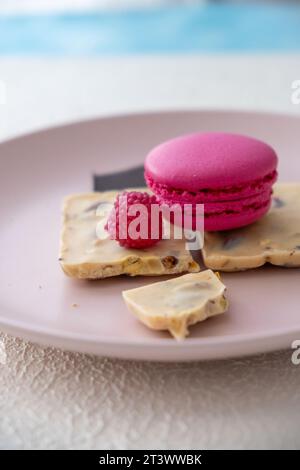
point(53, 399)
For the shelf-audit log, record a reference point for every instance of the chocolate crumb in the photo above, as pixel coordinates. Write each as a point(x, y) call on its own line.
point(169, 261)
point(93, 207)
point(225, 263)
point(74, 305)
point(133, 260)
point(277, 203)
point(231, 242)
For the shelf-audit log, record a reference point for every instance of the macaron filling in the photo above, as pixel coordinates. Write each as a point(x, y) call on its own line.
point(203, 195)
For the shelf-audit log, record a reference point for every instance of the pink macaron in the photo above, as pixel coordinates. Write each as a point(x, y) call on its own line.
point(232, 175)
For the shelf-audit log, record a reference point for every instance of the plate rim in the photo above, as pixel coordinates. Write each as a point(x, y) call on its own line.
point(135, 114)
point(194, 349)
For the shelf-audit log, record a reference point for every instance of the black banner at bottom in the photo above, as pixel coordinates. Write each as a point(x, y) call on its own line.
point(135, 459)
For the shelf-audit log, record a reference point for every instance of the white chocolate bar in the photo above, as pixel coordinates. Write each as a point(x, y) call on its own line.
point(274, 239)
point(176, 304)
point(86, 256)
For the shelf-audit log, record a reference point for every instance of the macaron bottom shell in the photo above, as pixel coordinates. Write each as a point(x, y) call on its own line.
point(213, 223)
point(207, 195)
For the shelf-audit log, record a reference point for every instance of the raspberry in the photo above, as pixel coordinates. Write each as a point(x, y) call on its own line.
point(133, 230)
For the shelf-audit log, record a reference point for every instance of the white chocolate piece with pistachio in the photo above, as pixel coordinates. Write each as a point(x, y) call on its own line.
point(275, 238)
point(176, 304)
point(86, 252)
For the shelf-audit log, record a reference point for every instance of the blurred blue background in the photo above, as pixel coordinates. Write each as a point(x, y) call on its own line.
point(108, 27)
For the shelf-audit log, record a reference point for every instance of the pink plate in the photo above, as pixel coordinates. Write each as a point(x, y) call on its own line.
point(36, 299)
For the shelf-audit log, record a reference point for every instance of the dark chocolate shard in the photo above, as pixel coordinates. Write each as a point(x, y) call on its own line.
point(134, 177)
point(231, 242)
point(277, 202)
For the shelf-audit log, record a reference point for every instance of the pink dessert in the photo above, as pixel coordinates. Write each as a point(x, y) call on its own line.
point(232, 175)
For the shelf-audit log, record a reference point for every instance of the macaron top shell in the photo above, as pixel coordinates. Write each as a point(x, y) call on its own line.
point(210, 161)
